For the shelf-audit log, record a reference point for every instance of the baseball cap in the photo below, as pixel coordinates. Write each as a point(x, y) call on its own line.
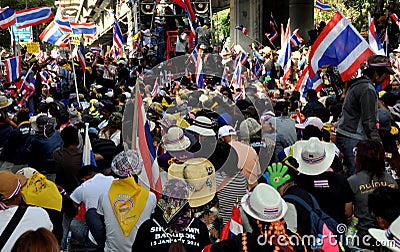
point(226, 130)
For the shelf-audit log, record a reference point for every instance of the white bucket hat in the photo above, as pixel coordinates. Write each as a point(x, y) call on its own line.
point(202, 126)
point(390, 237)
point(175, 140)
point(264, 204)
point(314, 157)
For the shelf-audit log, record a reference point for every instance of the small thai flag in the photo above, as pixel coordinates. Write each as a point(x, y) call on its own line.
point(155, 90)
point(199, 72)
point(95, 49)
point(273, 33)
point(257, 70)
point(45, 76)
point(296, 39)
point(323, 6)
point(238, 96)
point(81, 55)
point(7, 17)
point(396, 19)
point(193, 56)
point(224, 79)
point(243, 29)
point(234, 225)
point(88, 155)
point(13, 68)
point(321, 183)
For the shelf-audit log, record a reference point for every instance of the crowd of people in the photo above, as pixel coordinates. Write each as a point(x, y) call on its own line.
point(256, 159)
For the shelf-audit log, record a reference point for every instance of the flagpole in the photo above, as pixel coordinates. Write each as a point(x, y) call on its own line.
point(73, 70)
point(135, 116)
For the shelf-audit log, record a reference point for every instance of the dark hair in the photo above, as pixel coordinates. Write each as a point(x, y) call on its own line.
point(312, 131)
point(69, 136)
point(370, 158)
point(87, 170)
point(390, 146)
point(22, 116)
point(312, 94)
point(384, 202)
point(41, 240)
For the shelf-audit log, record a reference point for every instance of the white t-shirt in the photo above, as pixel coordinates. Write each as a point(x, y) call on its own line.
point(181, 46)
point(115, 239)
point(90, 191)
point(33, 219)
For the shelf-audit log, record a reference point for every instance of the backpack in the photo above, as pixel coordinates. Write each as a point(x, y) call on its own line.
point(318, 218)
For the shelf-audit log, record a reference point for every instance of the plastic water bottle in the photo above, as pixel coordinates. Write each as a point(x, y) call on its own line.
point(352, 231)
point(68, 247)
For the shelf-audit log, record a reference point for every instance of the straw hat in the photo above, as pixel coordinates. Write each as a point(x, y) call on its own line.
point(390, 237)
point(314, 157)
point(175, 140)
point(264, 204)
point(4, 101)
point(199, 175)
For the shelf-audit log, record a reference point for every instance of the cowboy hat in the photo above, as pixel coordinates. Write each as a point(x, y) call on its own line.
point(390, 237)
point(175, 140)
point(314, 157)
point(199, 175)
point(4, 101)
point(202, 126)
point(264, 203)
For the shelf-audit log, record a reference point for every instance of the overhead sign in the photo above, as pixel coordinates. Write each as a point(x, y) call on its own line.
point(23, 34)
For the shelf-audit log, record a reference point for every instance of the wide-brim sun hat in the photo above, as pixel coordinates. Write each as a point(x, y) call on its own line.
point(202, 126)
point(264, 203)
point(389, 238)
point(313, 156)
point(175, 140)
point(4, 101)
point(312, 120)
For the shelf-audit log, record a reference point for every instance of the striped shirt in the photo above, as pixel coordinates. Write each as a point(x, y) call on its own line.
point(234, 189)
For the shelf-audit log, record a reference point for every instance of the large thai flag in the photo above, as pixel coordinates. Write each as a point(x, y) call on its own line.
point(13, 68)
point(340, 45)
point(191, 15)
point(81, 55)
point(305, 83)
point(33, 16)
point(237, 76)
point(45, 77)
point(88, 155)
point(225, 79)
point(62, 21)
point(53, 35)
point(150, 175)
point(296, 40)
point(234, 226)
point(273, 33)
point(87, 29)
point(373, 38)
point(284, 57)
point(323, 6)
point(199, 72)
point(194, 55)
point(27, 87)
point(7, 17)
point(396, 19)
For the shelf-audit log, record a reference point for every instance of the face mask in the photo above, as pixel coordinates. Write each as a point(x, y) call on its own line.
point(224, 99)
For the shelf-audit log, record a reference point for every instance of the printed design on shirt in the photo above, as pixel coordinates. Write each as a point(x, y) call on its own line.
point(122, 208)
point(371, 186)
point(161, 236)
point(323, 183)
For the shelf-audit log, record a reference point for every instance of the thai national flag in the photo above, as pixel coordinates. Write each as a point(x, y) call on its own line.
point(284, 57)
point(191, 16)
point(45, 76)
point(323, 6)
point(340, 45)
point(237, 76)
point(118, 38)
point(373, 38)
point(396, 19)
point(150, 175)
point(156, 89)
point(62, 21)
point(305, 83)
point(95, 49)
point(88, 155)
point(257, 70)
point(52, 34)
point(27, 87)
point(13, 68)
point(81, 55)
point(7, 17)
point(323, 183)
point(238, 96)
point(194, 55)
point(243, 29)
point(234, 226)
point(296, 39)
point(199, 72)
point(224, 79)
point(33, 16)
point(87, 29)
point(273, 33)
